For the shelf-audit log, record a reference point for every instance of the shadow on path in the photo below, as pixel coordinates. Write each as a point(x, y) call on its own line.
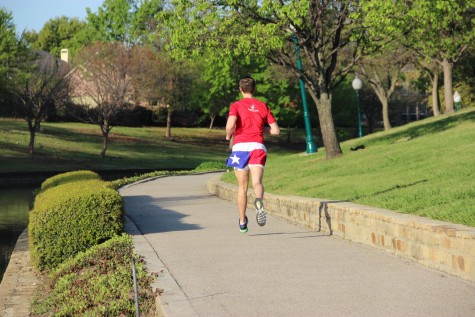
point(151, 216)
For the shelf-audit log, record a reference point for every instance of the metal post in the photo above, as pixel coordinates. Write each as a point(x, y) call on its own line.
point(310, 140)
point(136, 290)
point(360, 130)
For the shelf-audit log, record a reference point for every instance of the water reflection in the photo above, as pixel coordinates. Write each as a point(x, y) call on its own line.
point(14, 208)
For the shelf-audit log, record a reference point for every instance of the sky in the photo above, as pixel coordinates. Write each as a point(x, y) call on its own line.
point(33, 14)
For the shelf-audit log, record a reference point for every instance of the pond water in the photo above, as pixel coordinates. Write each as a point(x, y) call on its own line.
point(14, 209)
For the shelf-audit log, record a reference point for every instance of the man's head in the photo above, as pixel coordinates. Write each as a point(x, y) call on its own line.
point(247, 85)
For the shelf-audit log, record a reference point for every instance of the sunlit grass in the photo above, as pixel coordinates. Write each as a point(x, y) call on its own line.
point(71, 146)
point(425, 168)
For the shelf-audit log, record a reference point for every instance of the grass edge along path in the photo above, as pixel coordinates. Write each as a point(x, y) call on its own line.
point(425, 168)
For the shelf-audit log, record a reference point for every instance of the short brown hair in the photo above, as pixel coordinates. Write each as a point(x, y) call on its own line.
point(247, 84)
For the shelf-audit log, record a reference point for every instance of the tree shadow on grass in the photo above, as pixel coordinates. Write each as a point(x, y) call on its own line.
point(431, 127)
point(393, 188)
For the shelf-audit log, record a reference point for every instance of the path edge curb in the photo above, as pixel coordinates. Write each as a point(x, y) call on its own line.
point(172, 301)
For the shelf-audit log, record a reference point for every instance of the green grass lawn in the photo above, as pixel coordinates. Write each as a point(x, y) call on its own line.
point(425, 168)
point(72, 146)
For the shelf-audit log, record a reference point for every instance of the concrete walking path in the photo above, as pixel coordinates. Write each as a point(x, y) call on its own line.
point(208, 268)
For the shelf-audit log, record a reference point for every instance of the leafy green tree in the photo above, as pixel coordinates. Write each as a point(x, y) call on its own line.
point(145, 22)
point(430, 74)
point(382, 72)
point(281, 91)
point(323, 30)
point(59, 33)
point(221, 77)
point(464, 75)
point(9, 50)
point(437, 30)
point(123, 21)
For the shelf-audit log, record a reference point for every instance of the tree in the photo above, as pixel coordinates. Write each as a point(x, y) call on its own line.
point(323, 30)
point(103, 84)
point(145, 23)
point(149, 71)
point(437, 30)
point(59, 33)
point(220, 81)
point(9, 50)
point(382, 72)
point(40, 85)
point(431, 70)
point(464, 76)
point(177, 92)
point(160, 80)
point(123, 21)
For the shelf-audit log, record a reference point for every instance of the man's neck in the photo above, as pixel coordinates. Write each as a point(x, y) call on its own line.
point(246, 95)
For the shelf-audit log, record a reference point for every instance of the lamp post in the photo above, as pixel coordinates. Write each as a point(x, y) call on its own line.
point(457, 99)
point(357, 84)
point(310, 140)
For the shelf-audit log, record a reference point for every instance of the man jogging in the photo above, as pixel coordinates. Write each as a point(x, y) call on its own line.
point(246, 122)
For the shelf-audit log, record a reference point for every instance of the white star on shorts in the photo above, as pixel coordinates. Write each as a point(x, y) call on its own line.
point(235, 159)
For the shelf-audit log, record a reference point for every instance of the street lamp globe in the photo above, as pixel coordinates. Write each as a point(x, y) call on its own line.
point(357, 83)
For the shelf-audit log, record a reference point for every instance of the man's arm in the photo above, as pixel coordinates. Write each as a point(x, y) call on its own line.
point(272, 129)
point(230, 127)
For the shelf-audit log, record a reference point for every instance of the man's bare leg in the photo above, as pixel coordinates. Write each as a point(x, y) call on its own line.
point(257, 173)
point(242, 177)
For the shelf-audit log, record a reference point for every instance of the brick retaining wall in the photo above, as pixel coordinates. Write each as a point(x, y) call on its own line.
point(441, 245)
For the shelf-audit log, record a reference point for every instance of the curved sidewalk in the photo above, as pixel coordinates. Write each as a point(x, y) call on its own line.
point(207, 268)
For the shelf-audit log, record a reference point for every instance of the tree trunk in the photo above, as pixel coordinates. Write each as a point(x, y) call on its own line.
point(435, 94)
point(31, 144)
point(212, 117)
point(105, 141)
point(385, 103)
point(168, 132)
point(289, 134)
point(327, 126)
point(448, 92)
point(105, 138)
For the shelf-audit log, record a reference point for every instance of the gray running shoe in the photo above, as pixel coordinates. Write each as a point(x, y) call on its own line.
point(261, 214)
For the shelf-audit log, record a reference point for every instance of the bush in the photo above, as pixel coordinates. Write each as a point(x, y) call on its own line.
point(203, 167)
point(98, 282)
point(68, 177)
point(70, 218)
point(211, 166)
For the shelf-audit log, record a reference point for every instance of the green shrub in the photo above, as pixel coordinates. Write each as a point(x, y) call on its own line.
point(116, 184)
point(98, 282)
point(68, 177)
point(203, 167)
point(211, 166)
point(70, 218)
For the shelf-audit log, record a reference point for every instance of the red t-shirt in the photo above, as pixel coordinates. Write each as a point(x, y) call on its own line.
point(251, 115)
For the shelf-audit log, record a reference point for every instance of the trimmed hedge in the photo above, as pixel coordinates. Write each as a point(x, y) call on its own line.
point(67, 178)
point(98, 282)
point(70, 218)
